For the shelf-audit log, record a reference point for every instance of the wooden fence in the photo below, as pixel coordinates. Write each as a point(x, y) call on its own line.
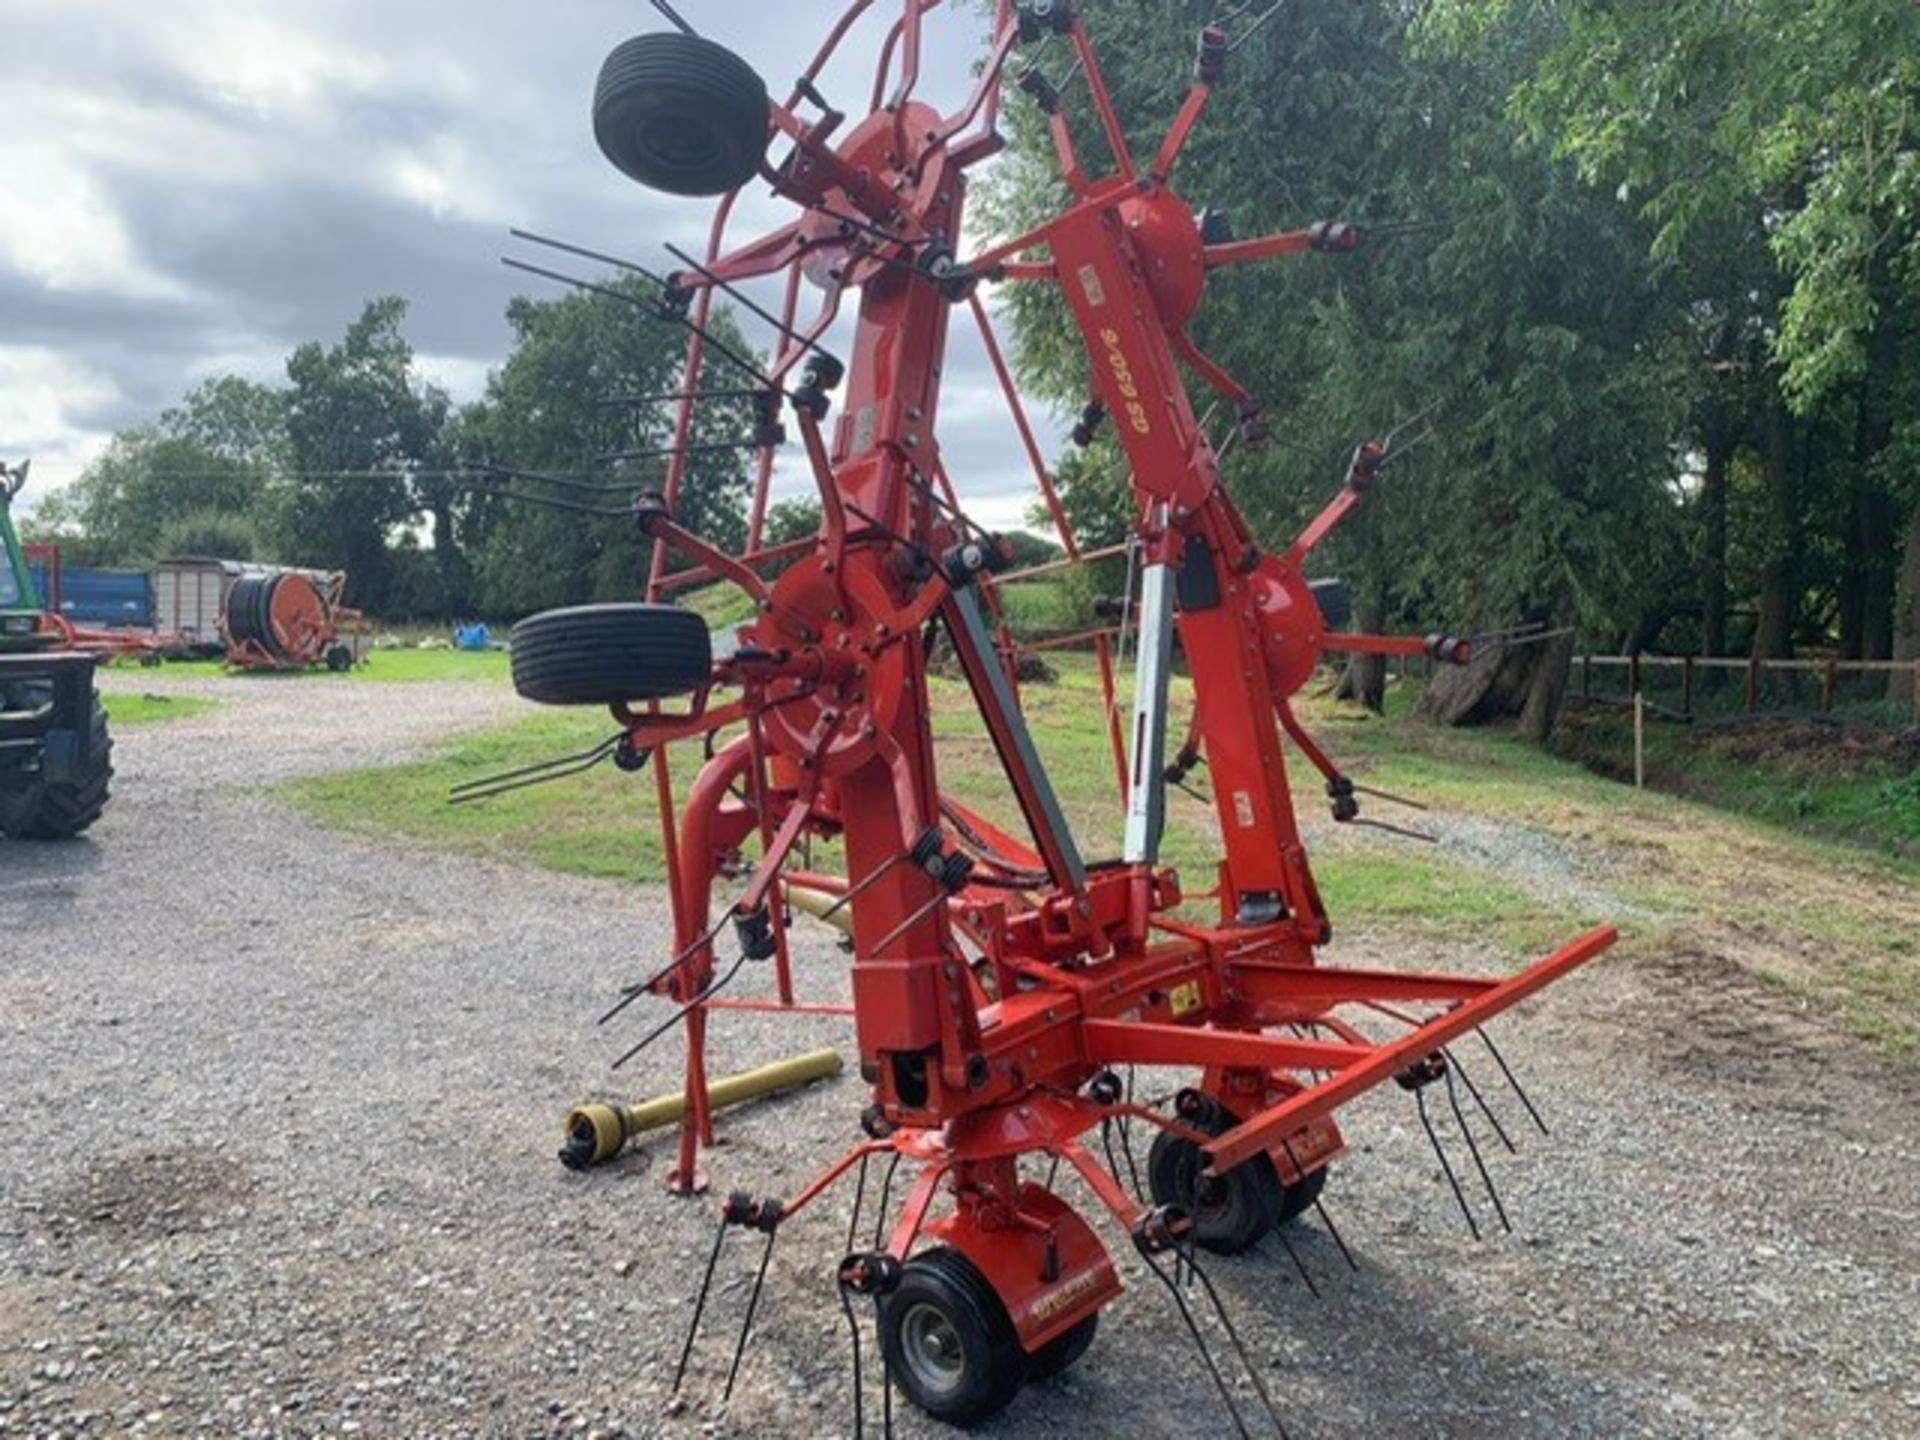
point(1693, 673)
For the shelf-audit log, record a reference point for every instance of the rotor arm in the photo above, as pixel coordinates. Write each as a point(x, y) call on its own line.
point(1325, 237)
point(1214, 374)
point(1209, 69)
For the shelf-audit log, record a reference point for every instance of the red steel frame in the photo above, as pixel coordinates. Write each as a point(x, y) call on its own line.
point(977, 1062)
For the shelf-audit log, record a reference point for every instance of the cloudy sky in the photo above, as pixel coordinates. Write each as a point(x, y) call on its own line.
point(195, 187)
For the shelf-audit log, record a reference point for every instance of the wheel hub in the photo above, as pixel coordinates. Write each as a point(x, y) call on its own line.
point(932, 1348)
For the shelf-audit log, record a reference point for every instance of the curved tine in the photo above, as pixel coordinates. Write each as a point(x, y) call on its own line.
point(634, 992)
point(552, 770)
point(1254, 29)
point(1473, 1149)
point(859, 1390)
point(552, 502)
point(700, 1305)
point(1480, 1100)
point(1233, 1337)
point(1407, 424)
point(1433, 1139)
point(564, 482)
point(1199, 1341)
point(714, 987)
point(1506, 1070)
point(673, 18)
point(886, 1196)
point(753, 1304)
point(785, 330)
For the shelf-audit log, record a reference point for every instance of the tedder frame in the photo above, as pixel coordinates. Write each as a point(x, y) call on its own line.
point(1001, 979)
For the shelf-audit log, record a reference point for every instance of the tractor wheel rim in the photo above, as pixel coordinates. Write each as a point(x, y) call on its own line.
point(930, 1344)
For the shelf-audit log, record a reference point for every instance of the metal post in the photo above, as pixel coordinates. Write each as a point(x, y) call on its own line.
point(1633, 673)
point(1753, 684)
point(1586, 677)
point(1686, 686)
point(1639, 741)
point(1146, 792)
point(1829, 683)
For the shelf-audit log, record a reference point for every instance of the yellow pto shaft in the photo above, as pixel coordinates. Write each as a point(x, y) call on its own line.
point(596, 1132)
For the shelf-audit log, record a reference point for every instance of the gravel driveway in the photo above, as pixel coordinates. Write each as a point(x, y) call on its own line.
point(277, 1158)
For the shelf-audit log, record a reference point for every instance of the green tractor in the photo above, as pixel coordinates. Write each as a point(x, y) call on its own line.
point(56, 758)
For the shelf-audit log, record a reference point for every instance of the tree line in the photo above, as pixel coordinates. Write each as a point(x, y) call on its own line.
point(1647, 272)
point(1641, 281)
point(358, 463)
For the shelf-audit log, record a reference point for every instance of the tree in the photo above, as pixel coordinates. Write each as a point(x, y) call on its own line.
point(356, 411)
point(147, 481)
point(553, 410)
point(1547, 474)
point(1803, 112)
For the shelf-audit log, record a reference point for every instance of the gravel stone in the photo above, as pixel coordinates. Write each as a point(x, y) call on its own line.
point(277, 1158)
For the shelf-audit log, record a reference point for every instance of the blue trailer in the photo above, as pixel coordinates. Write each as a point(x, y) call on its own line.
point(107, 599)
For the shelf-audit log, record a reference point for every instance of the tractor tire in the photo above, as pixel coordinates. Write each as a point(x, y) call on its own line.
point(607, 654)
point(681, 114)
point(1059, 1353)
point(340, 659)
point(1231, 1213)
point(64, 811)
point(948, 1340)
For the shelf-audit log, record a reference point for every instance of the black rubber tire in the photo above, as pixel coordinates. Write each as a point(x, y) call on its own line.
point(340, 659)
point(606, 654)
point(240, 602)
point(1298, 1198)
point(1230, 1214)
point(1059, 1353)
point(39, 811)
point(990, 1367)
point(1335, 599)
point(681, 114)
point(263, 618)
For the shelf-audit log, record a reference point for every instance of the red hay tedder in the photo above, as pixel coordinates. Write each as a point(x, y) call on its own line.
point(1001, 982)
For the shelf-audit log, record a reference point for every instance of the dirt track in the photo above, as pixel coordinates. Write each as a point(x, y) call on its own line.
point(277, 1158)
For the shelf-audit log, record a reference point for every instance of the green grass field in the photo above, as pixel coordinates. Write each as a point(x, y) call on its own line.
point(129, 711)
point(386, 667)
point(1815, 916)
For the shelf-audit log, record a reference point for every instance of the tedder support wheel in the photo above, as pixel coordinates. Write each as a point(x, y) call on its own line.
point(606, 654)
point(65, 809)
point(681, 114)
point(1231, 1212)
point(1061, 1351)
point(949, 1340)
point(1296, 1199)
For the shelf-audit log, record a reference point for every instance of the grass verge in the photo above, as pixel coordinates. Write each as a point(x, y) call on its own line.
point(130, 711)
point(1564, 847)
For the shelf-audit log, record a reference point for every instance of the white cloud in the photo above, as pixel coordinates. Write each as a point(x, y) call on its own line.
point(208, 183)
point(40, 391)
